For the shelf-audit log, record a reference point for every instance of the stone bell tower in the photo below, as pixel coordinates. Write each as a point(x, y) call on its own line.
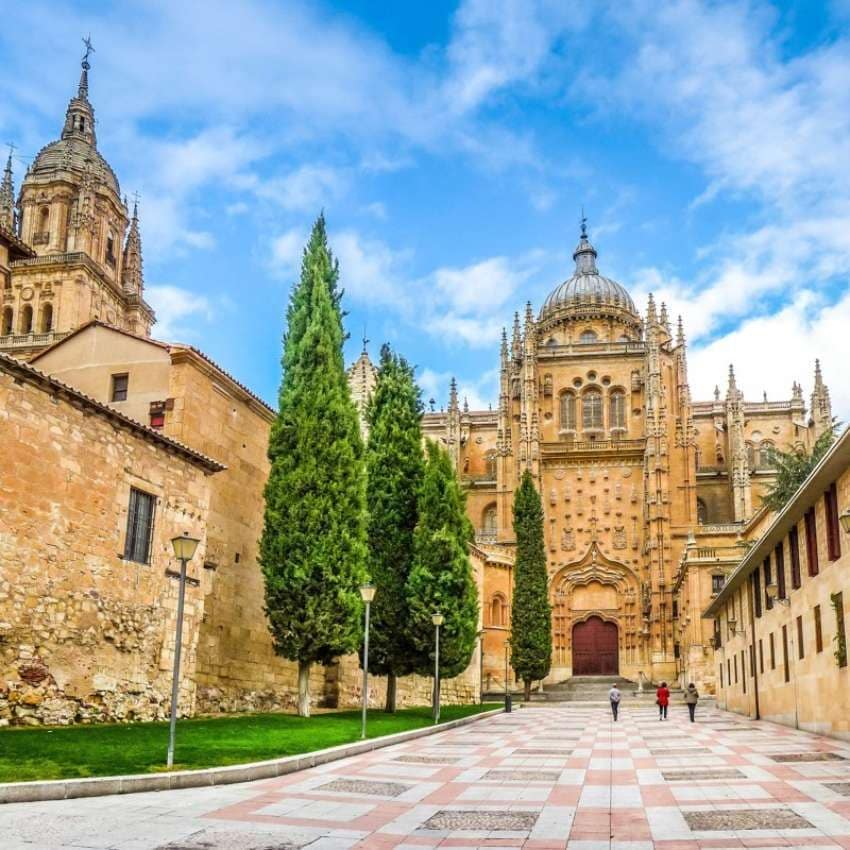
point(88, 251)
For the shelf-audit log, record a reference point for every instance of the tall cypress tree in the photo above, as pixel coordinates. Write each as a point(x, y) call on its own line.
point(441, 575)
point(394, 464)
point(531, 614)
point(313, 546)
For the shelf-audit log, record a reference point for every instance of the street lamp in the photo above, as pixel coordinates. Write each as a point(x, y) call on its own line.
point(507, 690)
point(184, 548)
point(437, 619)
point(367, 594)
point(844, 519)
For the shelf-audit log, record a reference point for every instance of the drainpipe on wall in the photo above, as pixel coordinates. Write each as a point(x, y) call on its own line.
point(753, 649)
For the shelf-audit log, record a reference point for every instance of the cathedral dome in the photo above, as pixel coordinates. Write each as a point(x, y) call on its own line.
point(76, 155)
point(587, 292)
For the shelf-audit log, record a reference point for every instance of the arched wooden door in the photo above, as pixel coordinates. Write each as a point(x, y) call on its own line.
point(595, 648)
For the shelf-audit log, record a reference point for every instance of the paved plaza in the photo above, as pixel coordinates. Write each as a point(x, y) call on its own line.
point(539, 779)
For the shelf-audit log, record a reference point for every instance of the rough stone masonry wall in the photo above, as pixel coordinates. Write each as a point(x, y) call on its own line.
point(84, 635)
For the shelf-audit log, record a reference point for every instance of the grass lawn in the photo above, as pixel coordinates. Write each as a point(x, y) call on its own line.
point(106, 750)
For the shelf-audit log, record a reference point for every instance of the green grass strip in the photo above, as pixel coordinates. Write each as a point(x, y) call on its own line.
point(67, 752)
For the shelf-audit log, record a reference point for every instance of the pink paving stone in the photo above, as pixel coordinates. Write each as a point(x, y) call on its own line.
point(564, 795)
point(657, 795)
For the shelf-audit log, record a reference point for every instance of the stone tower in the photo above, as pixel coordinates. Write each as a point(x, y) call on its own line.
point(73, 216)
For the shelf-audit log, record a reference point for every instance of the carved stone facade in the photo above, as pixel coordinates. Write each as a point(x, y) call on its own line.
point(594, 400)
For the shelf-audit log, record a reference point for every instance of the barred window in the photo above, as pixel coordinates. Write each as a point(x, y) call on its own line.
point(140, 514)
point(120, 385)
point(568, 412)
point(591, 409)
point(617, 412)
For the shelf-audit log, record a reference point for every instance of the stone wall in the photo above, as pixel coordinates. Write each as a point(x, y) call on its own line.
point(85, 635)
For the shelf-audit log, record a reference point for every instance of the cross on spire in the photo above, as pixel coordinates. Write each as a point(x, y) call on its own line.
point(89, 50)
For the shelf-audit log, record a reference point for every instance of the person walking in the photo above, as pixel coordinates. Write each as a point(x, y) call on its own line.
point(614, 697)
point(662, 700)
point(691, 699)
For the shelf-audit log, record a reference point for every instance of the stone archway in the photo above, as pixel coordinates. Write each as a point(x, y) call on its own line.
point(596, 648)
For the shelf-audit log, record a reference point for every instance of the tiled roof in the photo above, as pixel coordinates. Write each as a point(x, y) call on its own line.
point(25, 371)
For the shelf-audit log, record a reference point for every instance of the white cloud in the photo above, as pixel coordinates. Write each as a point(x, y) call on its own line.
point(371, 272)
point(176, 310)
point(480, 393)
point(307, 188)
point(377, 209)
point(771, 351)
point(286, 252)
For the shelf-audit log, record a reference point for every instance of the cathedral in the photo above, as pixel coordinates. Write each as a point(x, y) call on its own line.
point(651, 498)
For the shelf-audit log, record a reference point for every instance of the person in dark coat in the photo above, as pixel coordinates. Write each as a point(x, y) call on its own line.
point(662, 700)
point(691, 699)
point(614, 696)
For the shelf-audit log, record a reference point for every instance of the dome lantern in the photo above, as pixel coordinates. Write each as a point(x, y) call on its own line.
point(588, 294)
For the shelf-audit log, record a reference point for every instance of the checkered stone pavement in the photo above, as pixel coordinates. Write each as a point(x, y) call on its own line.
point(541, 778)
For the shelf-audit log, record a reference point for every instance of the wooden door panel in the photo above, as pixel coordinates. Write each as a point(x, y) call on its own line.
point(595, 648)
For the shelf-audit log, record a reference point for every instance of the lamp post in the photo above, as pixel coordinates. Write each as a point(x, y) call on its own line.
point(844, 519)
point(437, 619)
point(507, 688)
point(367, 594)
point(184, 548)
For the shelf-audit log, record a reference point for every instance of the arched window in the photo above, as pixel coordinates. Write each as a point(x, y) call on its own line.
point(489, 520)
point(588, 336)
point(42, 233)
point(591, 410)
point(46, 323)
point(752, 456)
point(490, 465)
point(498, 610)
point(110, 248)
point(766, 459)
point(702, 512)
point(617, 410)
point(26, 320)
point(568, 412)
point(8, 318)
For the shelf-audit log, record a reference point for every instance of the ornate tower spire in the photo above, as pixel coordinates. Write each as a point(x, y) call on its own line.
point(651, 315)
point(680, 332)
point(516, 342)
point(664, 318)
point(732, 386)
point(821, 414)
point(132, 275)
point(79, 119)
point(7, 196)
point(453, 395)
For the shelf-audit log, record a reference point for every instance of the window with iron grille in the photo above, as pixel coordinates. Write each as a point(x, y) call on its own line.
point(833, 535)
point(717, 582)
point(120, 384)
point(812, 542)
point(779, 557)
point(140, 514)
point(794, 548)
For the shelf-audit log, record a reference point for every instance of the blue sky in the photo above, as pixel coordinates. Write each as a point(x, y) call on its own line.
point(452, 147)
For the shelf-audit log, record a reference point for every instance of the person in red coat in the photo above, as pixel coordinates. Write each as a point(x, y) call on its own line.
point(662, 700)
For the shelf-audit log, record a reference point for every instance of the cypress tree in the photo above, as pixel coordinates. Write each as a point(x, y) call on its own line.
point(313, 545)
point(441, 575)
point(394, 464)
point(531, 614)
